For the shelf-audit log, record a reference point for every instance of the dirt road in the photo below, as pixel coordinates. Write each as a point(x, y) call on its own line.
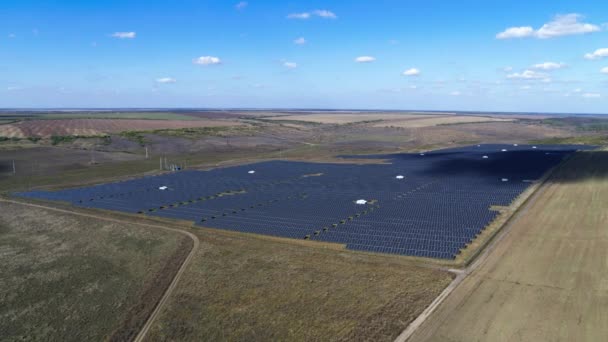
point(548, 279)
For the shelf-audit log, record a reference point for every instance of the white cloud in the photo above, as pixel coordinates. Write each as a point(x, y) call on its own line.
point(507, 69)
point(411, 72)
point(166, 80)
point(325, 14)
point(290, 65)
point(300, 41)
point(12, 35)
point(413, 87)
point(207, 60)
point(604, 70)
point(526, 87)
point(124, 35)
point(516, 32)
point(577, 90)
point(318, 13)
point(304, 15)
point(13, 88)
point(365, 59)
point(561, 25)
point(549, 66)
point(455, 93)
point(591, 95)
point(241, 5)
point(528, 75)
point(564, 25)
point(597, 54)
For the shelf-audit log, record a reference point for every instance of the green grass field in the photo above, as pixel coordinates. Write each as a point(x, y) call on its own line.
point(69, 278)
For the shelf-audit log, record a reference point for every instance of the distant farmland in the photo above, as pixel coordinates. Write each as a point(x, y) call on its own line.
point(94, 127)
point(352, 118)
point(441, 120)
point(404, 120)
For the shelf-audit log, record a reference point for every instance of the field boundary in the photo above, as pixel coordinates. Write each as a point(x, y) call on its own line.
point(519, 203)
point(169, 290)
point(481, 254)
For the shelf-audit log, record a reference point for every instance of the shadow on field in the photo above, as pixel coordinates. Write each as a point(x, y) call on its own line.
point(520, 164)
point(6, 166)
point(583, 166)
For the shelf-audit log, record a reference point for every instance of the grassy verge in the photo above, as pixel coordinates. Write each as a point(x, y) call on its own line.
point(189, 133)
point(137, 136)
point(599, 140)
point(69, 278)
point(60, 139)
point(112, 171)
point(83, 176)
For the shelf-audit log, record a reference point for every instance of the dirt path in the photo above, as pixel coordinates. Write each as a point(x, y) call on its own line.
point(146, 327)
point(546, 281)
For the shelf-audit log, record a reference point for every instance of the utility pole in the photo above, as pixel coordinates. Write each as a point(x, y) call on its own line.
point(161, 163)
point(146, 152)
point(14, 169)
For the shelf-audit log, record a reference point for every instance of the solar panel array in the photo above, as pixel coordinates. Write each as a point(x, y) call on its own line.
point(440, 205)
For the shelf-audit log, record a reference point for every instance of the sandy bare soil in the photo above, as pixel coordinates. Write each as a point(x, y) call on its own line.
point(92, 127)
point(547, 280)
point(351, 118)
point(400, 120)
point(434, 121)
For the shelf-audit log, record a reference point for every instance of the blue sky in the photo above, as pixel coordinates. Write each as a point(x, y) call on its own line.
point(437, 55)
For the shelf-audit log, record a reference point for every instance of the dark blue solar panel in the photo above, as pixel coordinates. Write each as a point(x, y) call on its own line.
point(439, 207)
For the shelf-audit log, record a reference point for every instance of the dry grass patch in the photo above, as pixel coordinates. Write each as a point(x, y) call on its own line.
point(249, 288)
point(93, 127)
point(69, 278)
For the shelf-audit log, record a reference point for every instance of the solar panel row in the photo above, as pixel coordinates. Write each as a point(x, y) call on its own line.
point(441, 203)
